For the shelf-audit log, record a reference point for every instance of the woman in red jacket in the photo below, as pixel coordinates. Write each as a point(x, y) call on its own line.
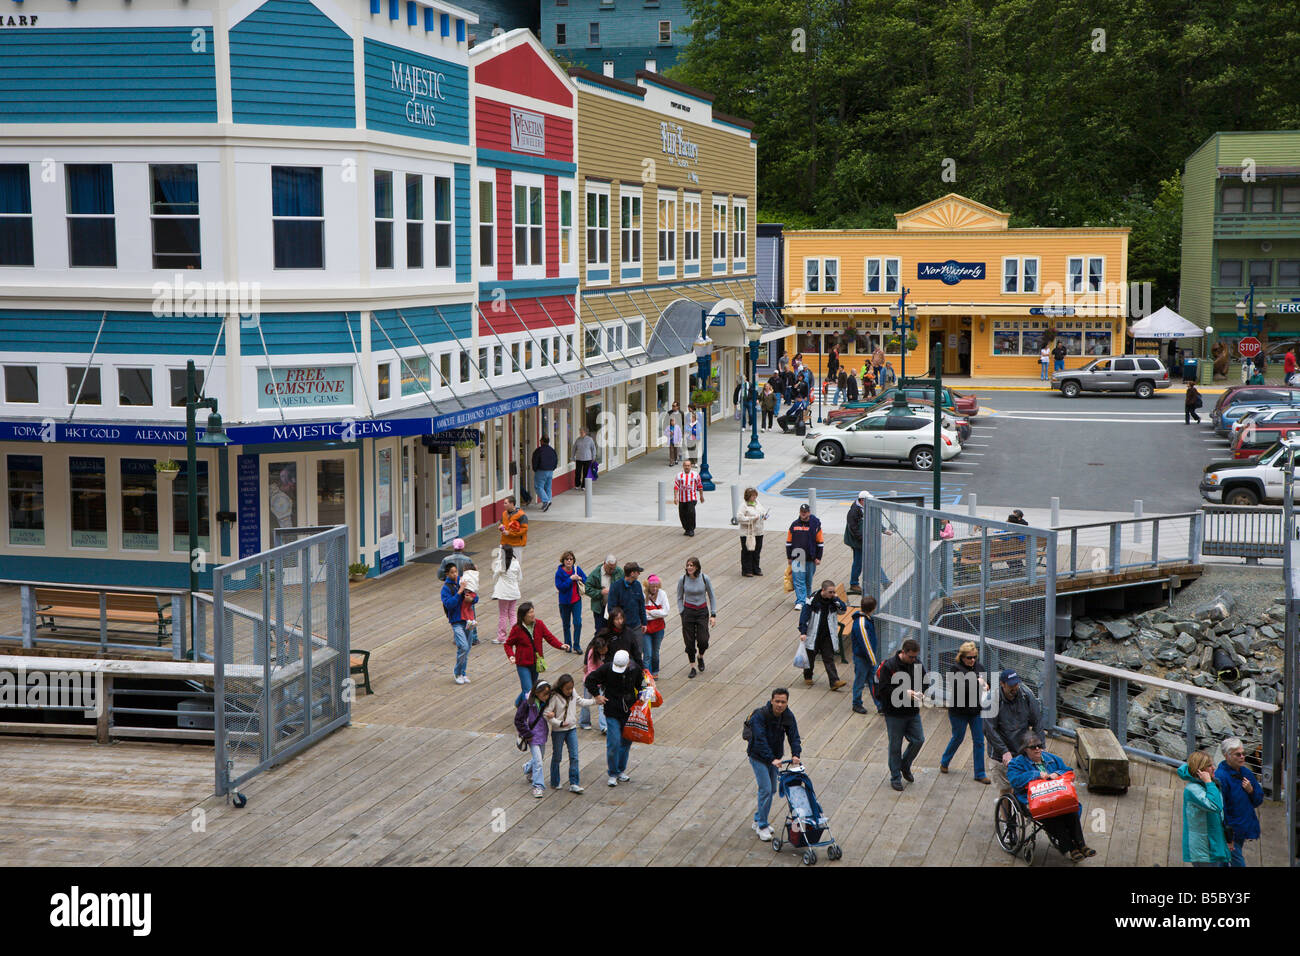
point(524, 647)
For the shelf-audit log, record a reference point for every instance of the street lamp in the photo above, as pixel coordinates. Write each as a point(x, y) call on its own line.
point(703, 354)
point(213, 434)
point(902, 319)
point(753, 333)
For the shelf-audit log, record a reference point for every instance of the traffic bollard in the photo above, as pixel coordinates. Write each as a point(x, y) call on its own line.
point(663, 501)
point(586, 497)
point(735, 501)
point(1137, 513)
point(972, 506)
point(812, 500)
point(1056, 512)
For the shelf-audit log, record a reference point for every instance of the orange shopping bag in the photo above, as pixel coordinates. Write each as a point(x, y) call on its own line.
point(1053, 798)
point(639, 728)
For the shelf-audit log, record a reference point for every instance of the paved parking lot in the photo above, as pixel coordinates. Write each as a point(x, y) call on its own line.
point(1095, 452)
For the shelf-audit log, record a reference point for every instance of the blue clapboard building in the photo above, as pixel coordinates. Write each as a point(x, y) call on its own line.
point(279, 191)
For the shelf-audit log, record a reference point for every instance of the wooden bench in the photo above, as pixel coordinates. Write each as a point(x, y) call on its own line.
point(119, 608)
point(1101, 759)
point(1002, 547)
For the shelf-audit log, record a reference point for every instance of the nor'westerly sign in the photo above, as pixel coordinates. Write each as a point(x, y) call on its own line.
point(950, 272)
point(527, 132)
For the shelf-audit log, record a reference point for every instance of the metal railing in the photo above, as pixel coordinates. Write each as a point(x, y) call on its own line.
point(1250, 533)
point(31, 615)
point(1112, 547)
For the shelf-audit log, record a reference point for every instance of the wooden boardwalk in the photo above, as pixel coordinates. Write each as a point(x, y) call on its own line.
point(428, 773)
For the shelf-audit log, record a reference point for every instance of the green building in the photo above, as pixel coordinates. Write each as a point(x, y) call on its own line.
point(1241, 226)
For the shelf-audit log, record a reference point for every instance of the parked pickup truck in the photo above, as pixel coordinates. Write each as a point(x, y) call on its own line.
point(1250, 481)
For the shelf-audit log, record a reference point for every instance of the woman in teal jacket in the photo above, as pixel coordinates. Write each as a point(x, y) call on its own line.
point(1203, 840)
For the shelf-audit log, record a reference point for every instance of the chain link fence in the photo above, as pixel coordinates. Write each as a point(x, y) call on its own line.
point(280, 645)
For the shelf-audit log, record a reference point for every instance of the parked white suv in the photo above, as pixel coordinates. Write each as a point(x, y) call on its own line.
point(1249, 481)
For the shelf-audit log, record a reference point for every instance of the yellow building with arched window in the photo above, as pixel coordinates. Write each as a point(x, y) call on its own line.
point(989, 293)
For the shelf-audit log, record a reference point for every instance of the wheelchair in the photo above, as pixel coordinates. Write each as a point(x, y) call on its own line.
point(1017, 831)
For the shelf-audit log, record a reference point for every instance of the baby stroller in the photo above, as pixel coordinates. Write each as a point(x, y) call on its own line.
point(805, 824)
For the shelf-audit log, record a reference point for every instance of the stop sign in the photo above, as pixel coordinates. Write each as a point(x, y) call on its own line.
point(1249, 347)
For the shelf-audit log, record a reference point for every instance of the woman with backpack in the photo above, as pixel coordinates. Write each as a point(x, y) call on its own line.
point(530, 722)
point(1191, 402)
point(524, 648)
point(562, 714)
point(507, 578)
point(597, 654)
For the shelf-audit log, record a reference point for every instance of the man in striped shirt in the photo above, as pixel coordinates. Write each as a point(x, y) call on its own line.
point(687, 491)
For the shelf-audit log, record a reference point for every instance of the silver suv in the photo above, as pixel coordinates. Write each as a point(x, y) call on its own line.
point(1140, 374)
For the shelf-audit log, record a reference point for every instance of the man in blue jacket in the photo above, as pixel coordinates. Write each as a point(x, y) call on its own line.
point(1241, 795)
point(768, 727)
point(862, 638)
point(626, 593)
point(453, 595)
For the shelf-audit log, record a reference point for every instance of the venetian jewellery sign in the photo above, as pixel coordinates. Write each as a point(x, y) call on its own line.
point(527, 132)
point(950, 272)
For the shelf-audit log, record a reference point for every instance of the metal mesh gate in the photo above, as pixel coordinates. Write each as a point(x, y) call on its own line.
point(991, 582)
point(280, 648)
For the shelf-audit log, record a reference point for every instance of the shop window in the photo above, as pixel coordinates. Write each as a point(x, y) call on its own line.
point(1071, 336)
point(176, 378)
point(812, 269)
point(1261, 199)
point(26, 500)
point(528, 225)
point(482, 363)
point(891, 274)
point(566, 226)
point(514, 357)
point(134, 386)
point(385, 385)
point(831, 275)
point(1288, 272)
point(720, 235)
point(1011, 275)
point(591, 343)
point(442, 245)
point(92, 229)
point(87, 483)
point(544, 348)
point(446, 486)
point(740, 235)
point(871, 271)
point(498, 360)
point(1229, 272)
point(557, 349)
point(298, 217)
point(597, 229)
point(464, 368)
point(414, 221)
point(667, 235)
point(174, 216)
point(1029, 276)
point(139, 505)
point(499, 455)
point(484, 474)
point(1097, 339)
point(1261, 271)
point(83, 387)
point(629, 224)
point(444, 368)
point(415, 376)
point(635, 334)
point(1291, 199)
point(384, 490)
point(1074, 274)
point(383, 219)
point(16, 244)
point(1234, 199)
point(486, 225)
point(282, 498)
point(1096, 273)
point(691, 230)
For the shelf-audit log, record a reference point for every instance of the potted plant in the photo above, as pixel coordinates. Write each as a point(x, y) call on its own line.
point(894, 341)
point(358, 570)
point(167, 470)
point(465, 448)
point(703, 397)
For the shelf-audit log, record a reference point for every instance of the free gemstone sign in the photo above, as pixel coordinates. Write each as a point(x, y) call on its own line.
point(1249, 347)
point(305, 387)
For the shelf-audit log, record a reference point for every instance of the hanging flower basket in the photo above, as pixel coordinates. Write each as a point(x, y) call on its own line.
point(703, 397)
point(167, 470)
point(894, 341)
point(465, 448)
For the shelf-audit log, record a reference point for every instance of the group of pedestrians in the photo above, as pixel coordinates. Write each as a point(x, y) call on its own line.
point(1219, 806)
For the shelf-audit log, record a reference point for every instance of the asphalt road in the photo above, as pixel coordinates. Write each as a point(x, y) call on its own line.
point(1095, 452)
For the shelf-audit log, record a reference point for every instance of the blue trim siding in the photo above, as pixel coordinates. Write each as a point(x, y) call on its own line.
point(108, 75)
point(112, 572)
point(464, 269)
point(527, 164)
point(625, 274)
point(291, 66)
point(425, 323)
point(597, 275)
point(132, 333)
point(528, 288)
point(292, 333)
point(393, 110)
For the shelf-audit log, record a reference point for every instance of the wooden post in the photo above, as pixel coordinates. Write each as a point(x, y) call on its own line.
point(103, 719)
point(29, 615)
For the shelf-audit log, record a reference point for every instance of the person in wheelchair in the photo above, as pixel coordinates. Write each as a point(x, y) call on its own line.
point(1065, 832)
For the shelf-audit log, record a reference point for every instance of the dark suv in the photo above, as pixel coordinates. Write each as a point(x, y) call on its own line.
point(1140, 374)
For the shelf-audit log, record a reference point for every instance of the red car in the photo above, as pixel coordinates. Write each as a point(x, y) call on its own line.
point(1251, 441)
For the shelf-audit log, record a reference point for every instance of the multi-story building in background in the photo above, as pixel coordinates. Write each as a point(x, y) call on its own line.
point(1241, 228)
point(615, 38)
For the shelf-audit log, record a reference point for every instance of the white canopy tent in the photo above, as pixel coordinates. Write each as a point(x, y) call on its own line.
point(1165, 324)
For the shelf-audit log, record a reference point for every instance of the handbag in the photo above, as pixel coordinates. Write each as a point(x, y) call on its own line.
point(1053, 798)
point(594, 471)
point(541, 664)
point(520, 743)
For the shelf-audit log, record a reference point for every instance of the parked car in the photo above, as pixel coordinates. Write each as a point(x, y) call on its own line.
point(1233, 418)
point(1267, 416)
point(899, 437)
point(1252, 440)
point(1251, 481)
point(1253, 395)
point(954, 403)
point(1140, 374)
point(914, 406)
